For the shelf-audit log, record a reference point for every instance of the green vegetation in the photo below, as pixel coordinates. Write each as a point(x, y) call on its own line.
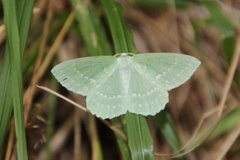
point(43, 126)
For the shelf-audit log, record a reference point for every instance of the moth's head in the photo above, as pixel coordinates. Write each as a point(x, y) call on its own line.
point(124, 55)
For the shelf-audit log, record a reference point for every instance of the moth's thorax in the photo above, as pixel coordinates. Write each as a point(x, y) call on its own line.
point(124, 61)
point(125, 69)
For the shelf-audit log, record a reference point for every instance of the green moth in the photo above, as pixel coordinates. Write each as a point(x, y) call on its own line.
point(137, 83)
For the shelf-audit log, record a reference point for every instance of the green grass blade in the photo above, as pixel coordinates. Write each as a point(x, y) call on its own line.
point(139, 138)
point(165, 124)
point(23, 13)
point(5, 102)
point(91, 29)
point(16, 90)
point(122, 144)
point(226, 124)
point(225, 26)
point(122, 37)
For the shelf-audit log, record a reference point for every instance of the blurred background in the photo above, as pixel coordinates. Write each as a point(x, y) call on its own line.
point(59, 31)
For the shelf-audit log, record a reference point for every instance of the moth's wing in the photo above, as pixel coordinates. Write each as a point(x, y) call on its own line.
point(169, 70)
point(145, 97)
point(108, 100)
point(82, 75)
